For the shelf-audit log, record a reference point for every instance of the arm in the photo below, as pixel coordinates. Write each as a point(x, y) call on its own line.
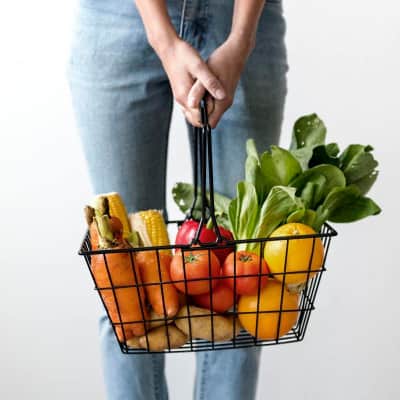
point(245, 19)
point(228, 60)
point(181, 62)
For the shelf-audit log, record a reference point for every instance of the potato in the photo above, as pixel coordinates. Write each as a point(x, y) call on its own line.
point(156, 324)
point(133, 343)
point(158, 340)
point(201, 325)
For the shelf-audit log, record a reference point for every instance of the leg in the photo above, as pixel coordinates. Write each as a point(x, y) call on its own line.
point(256, 113)
point(130, 377)
point(122, 102)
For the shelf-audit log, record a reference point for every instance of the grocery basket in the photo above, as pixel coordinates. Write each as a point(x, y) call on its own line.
point(202, 330)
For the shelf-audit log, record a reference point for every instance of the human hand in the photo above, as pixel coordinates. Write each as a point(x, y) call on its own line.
point(184, 66)
point(227, 63)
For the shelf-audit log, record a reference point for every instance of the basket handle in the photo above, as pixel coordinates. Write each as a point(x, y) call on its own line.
point(203, 163)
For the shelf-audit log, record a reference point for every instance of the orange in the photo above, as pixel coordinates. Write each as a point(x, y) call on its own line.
point(270, 300)
point(298, 254)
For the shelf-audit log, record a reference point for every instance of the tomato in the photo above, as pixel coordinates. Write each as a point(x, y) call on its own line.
point(297, 256)
point(187, 232)
point(247, 263)
point(222, 298)
point(196, 266)
point(270, 300)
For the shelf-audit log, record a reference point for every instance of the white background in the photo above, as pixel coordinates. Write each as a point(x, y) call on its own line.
point(344, 58)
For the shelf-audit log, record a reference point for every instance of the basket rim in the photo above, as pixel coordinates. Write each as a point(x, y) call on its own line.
point(331, 232)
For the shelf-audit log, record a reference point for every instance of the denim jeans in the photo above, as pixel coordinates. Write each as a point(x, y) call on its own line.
point(123, 103)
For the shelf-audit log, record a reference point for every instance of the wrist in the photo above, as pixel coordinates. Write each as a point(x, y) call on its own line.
point(162, 38)
point(244, 41)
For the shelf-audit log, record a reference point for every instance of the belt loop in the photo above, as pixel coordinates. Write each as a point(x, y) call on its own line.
point(182, 18)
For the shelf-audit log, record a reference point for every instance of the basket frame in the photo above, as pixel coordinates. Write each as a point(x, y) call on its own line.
point(241, 339)
point(203, 164)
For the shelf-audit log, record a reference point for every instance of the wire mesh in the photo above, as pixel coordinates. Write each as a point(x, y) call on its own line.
point(113, 293)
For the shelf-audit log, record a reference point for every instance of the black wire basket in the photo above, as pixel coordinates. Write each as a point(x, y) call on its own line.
point(266, 317)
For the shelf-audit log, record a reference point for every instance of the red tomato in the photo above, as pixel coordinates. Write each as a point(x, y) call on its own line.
point(187, 232)
point(196, 266)
point(222, 298)
point(247, 263)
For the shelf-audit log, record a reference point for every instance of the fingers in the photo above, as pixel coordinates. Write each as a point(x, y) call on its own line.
point(196, 93)
point(210, 82)
point(214, 118)
point(193, 115)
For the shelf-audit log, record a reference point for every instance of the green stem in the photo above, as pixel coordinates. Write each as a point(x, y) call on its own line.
point(191, 258)
point(106, 238)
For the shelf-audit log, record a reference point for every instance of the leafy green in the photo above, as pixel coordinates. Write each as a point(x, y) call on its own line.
point(182, 193)
point(244, 210)
point(345, 204)
point(248, 220)
point(314, 184)
point(309, 132)
point(325, 154)
point(358, 165)
point(273, 168)
point(280, 203)
point(310, 183)
point(279, 166)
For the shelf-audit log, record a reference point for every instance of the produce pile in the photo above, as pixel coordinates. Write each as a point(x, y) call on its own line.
point(159, 299)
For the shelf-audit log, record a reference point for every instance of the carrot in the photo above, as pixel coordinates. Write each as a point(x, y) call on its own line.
point(124, 304)
point(156, 289)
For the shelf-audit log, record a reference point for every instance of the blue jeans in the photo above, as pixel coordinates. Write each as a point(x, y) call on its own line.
point(123, 103)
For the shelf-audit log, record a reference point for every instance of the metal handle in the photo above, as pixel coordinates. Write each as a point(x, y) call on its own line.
point(203, 162)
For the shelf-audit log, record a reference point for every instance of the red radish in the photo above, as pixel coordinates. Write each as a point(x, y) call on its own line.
point(188, 230)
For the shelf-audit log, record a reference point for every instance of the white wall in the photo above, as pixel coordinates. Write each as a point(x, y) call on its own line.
point(344, 58)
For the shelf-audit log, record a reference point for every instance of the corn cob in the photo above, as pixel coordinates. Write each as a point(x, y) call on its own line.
point(151, 227)
point(117, 209)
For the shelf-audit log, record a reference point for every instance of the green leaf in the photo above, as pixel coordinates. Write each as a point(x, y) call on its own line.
point(308, 131)
point(364, 184)
point(251, 149)
point(280, 203)
point(296, 216)
point(247, 209)
point(345, 205)
point(279, 166)
point(251, 167)
point(182, 193)
point(253, 172)
point(325, 155)
point(233, 215)
point(357, 162)
point(311, 191)
point(325, 177)
point(303, 156)
point(309, 218)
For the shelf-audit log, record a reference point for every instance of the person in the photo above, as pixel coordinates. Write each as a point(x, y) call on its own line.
point(129, 60)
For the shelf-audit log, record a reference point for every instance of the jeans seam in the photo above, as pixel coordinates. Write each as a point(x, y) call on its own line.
point(203, 381)
point(156, 377)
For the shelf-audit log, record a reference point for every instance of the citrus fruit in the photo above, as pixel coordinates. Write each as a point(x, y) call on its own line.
point(297, 255)
point(270, 300)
